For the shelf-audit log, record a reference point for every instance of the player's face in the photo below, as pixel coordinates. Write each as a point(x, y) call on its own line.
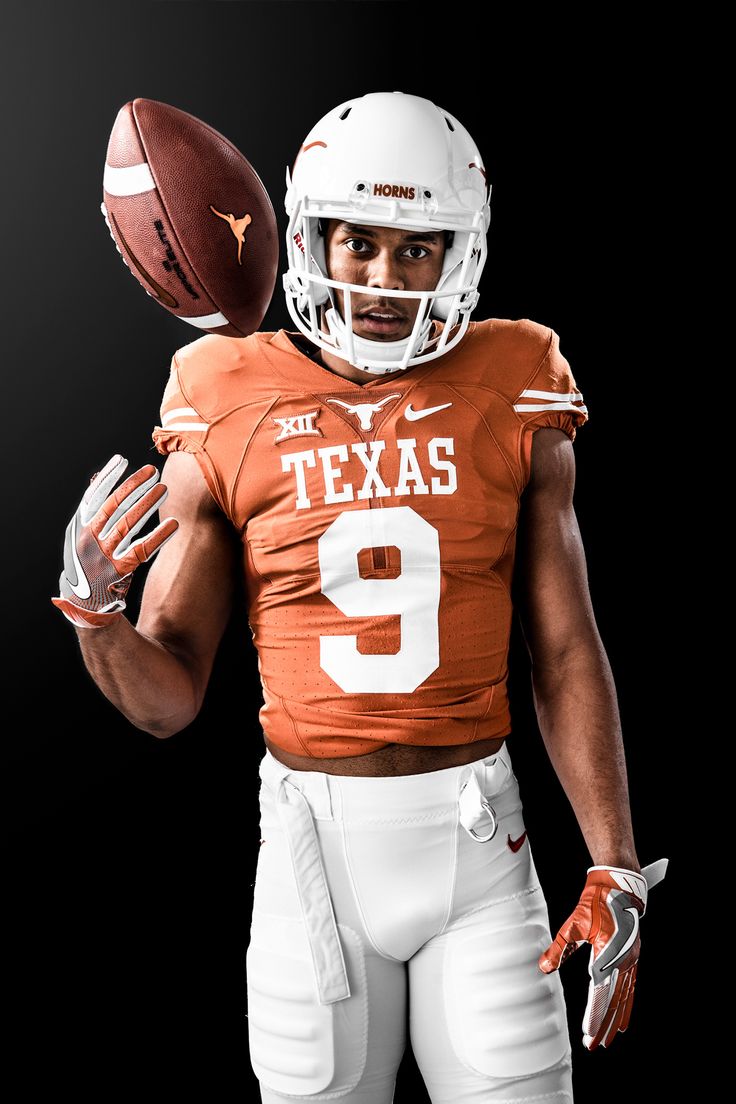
point(383, 258)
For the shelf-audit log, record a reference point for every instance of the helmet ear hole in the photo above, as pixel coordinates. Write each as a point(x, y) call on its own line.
point(321, 293)
point(449, 281)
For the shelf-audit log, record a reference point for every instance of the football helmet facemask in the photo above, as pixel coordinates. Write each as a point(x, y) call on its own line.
point(386, 159)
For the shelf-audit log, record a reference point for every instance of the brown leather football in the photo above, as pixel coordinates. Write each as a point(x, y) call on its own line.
point(191, 218)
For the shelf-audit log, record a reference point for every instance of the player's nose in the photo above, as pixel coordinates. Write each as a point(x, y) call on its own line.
point(384, 271)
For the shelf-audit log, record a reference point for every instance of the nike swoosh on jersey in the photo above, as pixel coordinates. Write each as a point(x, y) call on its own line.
point(415, 415)
point(516, 844)
point(161, 293)
point(82, 589)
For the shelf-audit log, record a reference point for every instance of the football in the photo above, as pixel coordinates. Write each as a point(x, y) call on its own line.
point(191, 218)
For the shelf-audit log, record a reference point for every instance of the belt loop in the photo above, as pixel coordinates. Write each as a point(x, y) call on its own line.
point(319, 917)
point(271, 770)
point(473, 804)
point(490, 767)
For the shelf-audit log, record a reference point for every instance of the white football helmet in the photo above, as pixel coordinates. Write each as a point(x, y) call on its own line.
point(386, 159)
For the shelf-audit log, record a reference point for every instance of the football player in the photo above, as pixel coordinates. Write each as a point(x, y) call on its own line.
point(382, 474)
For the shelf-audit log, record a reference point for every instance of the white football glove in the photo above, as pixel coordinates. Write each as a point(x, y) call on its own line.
point(99, 559)
point(607, 917)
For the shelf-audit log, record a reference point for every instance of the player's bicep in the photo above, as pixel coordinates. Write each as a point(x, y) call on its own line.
point(187, 599)
point(551, 592)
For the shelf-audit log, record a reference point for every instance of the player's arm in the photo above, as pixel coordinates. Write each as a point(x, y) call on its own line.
point(156, 673)
point(575, 701)
point(573, 686)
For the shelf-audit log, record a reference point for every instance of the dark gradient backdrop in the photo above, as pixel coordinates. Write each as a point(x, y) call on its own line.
point(129, 862)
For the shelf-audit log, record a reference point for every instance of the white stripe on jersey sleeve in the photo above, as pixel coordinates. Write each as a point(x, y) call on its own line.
point(531, 407)
point(531, 394)
point(178, 412)
point(169, 419)
point(186, 425)
point(558, 400)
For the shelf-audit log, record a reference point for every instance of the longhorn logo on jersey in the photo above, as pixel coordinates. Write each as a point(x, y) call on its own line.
point(297, 425)
point(364, 411)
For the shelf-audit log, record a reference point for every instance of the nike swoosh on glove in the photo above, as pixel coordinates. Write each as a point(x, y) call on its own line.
point(99, 559)
point(607, 916)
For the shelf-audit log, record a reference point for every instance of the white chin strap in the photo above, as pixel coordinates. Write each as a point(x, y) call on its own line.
point(377, 352)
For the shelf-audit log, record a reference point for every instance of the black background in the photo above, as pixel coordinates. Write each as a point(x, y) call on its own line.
point(129, 862)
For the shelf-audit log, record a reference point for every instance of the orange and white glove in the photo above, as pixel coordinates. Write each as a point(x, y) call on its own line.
point(607, 916)
point(99, 559)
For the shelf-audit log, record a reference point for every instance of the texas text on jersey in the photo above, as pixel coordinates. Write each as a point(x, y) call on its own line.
point(378, 524)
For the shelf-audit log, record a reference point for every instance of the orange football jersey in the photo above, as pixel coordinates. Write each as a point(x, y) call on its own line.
point(378, 523)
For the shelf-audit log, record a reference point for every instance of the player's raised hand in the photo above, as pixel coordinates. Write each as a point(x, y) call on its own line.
point(99, 558)
point(606, 916)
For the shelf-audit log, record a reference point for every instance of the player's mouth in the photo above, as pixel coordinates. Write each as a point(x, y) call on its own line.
point(381, 320)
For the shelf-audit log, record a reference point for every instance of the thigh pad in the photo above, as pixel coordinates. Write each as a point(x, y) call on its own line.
point(297, 1045)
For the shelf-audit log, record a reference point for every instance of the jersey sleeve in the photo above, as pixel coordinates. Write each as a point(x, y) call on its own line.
point(550, 397)
point(183, 428)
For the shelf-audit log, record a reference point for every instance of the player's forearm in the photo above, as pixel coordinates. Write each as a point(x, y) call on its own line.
point(577, 710)
point(148, 684)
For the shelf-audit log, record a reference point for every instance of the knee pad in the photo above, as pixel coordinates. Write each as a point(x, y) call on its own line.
point(506, 1018)
point(299, 1047)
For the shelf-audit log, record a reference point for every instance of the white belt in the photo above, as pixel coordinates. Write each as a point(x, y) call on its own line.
point(296, 820)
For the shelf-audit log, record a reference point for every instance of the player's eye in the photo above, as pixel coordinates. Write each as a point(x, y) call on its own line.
point(350, 242)
point(414, 250)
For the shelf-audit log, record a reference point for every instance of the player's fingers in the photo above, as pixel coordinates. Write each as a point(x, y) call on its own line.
point(562, 946)
point(116, 535)
point(603, 1034)
point(566, 942)
point(135, 518)
point(620, 1008)
point(602, 1007)
point(626, 1013)
point(146, 547)
point(122, 500)
point(608, 1032)
point(100, 486)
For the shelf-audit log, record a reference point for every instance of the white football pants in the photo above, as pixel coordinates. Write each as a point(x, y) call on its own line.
point(376, 897)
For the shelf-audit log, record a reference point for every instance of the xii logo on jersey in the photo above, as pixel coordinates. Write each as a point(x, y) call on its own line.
point(297, 425)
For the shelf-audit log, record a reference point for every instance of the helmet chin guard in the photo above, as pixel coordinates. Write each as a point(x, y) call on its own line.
point(377, 357)
point(386, 159)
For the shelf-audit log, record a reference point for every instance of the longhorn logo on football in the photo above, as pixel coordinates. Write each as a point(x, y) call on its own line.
point(238, 227)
